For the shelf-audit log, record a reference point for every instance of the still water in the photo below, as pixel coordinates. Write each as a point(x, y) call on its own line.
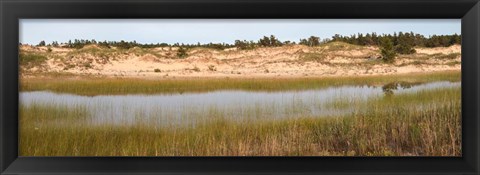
point(188, 108)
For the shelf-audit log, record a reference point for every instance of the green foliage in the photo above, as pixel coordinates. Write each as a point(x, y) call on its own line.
point(425, 123)
point(55, 44)
point(78, 44)
point(41, 43)
point(409, 39)
point(31, 59)
point(387, 50)
point(181, 52)
point(271, 41)
point(405, 44)
point(311, 41)
point(443, 40)
point(399, 40)
point(110, 86)
point(125, 45)
point(245, 45)
point(341, 46)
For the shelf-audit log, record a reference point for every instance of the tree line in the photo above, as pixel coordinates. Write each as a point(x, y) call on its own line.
point(402, 42)
point(401, 38)
point(80, 43)
point(266, 41)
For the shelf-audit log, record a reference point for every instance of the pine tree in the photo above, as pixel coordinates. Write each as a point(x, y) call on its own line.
point(42, 43)
point(388, 52)
point(303, 42)
point(405, 44)
point(313, 41)
point(274, 41)
point(265, 41)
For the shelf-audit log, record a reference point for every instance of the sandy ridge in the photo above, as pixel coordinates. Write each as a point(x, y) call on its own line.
point(332, 59)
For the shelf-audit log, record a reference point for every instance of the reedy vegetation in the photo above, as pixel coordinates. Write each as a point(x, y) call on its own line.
point(426, 123)
point(91, 86)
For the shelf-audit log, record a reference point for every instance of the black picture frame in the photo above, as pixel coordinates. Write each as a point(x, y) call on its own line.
point(13, 10)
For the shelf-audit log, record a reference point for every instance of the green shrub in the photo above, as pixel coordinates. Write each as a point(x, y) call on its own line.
point(405, 45)
point(31, 59)
point(387, 50)
point(182, 52)
point(405, 49)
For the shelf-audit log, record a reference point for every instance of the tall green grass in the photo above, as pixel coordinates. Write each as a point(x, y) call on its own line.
point(114, 86)
point(426, 123)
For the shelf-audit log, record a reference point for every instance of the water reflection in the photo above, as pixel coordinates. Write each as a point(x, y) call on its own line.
point(390, 87)
point(188, 108)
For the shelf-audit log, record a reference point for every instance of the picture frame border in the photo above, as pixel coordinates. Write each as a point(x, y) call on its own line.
point(13, 10)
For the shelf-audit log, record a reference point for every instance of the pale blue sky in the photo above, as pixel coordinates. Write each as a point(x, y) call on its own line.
point(186, 31)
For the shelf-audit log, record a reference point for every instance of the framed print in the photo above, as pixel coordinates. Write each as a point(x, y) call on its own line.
point(308, 87)
point(395, 93)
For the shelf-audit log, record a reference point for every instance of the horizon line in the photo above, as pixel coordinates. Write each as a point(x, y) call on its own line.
point(231, 43)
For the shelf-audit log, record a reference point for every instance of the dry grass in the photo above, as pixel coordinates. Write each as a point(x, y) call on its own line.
point(113, 86)
point(426, 123)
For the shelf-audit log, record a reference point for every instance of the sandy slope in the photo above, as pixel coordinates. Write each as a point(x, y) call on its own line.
point(333, 59)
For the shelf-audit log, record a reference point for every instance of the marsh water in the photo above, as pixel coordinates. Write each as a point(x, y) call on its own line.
point(189, 108)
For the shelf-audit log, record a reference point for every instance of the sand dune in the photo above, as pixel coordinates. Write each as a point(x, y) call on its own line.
point(332, 59)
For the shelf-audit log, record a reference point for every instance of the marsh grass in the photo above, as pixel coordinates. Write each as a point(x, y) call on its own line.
point(426, 123)
point(91, 86)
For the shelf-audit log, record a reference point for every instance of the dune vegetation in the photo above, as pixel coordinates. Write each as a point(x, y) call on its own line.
point(336, 58)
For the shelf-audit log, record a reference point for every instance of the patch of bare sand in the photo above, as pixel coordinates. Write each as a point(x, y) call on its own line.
point(439, 50)
point(285, 61)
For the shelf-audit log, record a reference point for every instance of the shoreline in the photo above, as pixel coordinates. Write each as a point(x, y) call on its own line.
point(92, 86)
point(213, 77)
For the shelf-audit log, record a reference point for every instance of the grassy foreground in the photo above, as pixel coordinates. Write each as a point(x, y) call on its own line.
point(115, 86)
point(426, 123)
